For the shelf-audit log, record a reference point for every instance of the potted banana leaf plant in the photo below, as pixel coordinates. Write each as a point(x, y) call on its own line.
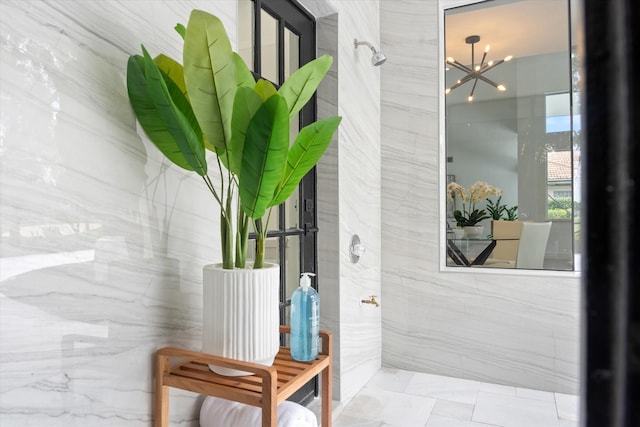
point(211, 103)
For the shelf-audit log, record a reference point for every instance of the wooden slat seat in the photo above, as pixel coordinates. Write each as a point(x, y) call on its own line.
point(267, 388)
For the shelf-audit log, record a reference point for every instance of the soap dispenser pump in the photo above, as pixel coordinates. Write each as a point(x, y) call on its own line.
point(305, 320)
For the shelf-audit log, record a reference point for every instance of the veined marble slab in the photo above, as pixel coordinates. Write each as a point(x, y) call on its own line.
point(519, 330)
point(102, 244)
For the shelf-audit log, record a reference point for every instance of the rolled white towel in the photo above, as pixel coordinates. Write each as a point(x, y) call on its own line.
point(216, 412)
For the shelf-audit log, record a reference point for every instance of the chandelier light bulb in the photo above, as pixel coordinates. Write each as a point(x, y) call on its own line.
point(476, 70)
point(447, 91)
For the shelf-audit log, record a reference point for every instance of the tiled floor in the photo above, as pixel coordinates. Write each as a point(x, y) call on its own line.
point(396, 398)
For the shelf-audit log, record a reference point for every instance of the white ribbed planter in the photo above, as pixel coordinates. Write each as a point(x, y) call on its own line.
point(241, 316)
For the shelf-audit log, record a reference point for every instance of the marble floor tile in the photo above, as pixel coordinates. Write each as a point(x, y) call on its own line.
point(397, 398)
point(440, 421)
point(527, 393)
point(567, 406)
point(512, 411)
point(439, 387)
point(391, 408)
point(449, 409)
point(498, 389)
point(347, 421)
point(391, 380)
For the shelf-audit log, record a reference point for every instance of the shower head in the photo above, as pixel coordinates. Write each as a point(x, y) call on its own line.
point(378, 57)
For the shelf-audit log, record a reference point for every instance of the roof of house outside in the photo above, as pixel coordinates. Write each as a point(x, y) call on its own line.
point(559, 165)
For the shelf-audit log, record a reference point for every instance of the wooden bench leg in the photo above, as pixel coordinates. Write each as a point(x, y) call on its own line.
point(161, 409)
point(326, 397)
point(269, 400)
point(327, 386)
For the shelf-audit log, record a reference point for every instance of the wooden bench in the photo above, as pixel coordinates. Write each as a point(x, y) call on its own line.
point(269, 387)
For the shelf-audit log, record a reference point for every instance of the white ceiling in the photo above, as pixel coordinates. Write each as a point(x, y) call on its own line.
point(516, 27)
point(529, 30)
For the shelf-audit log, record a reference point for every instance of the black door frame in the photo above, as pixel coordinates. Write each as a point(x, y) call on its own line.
point(611, 294)
point(292, 16)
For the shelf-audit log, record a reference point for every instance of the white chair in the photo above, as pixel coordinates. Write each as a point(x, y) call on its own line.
point(531, 247)
point(533, 244)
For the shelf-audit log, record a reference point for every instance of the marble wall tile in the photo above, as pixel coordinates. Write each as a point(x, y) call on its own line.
point(520, 330)
point(349, 193)
point(360, 190)
point(328, 200)
point(102, 243)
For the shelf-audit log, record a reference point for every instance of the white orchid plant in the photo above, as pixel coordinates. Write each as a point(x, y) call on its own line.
point(470, 215)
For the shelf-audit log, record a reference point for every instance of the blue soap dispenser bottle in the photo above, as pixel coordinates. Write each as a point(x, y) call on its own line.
point(305, 320)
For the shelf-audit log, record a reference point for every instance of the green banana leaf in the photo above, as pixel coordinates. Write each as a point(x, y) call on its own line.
point(231, 158)
point(173, 74)
point(209, 70)
point(264, 156)
point(244, 76)
point(309, 146)
point(173, 69)
point(188, 142)
point(265, 89)
point(214, 103)
point(182, 103)
point(246, 104)
point(149, 116)
point(180, 29)
point(298, 89)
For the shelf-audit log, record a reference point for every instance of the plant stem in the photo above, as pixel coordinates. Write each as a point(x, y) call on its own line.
point(226, 237)
point(212, 189)
point(226, 229)
point(260, 240)
point(242, 238)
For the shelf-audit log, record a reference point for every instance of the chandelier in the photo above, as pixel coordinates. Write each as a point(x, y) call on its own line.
point(476, 71)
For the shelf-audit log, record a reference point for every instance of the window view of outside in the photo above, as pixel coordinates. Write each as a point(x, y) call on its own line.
point(563, 167)
point(560, 203)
